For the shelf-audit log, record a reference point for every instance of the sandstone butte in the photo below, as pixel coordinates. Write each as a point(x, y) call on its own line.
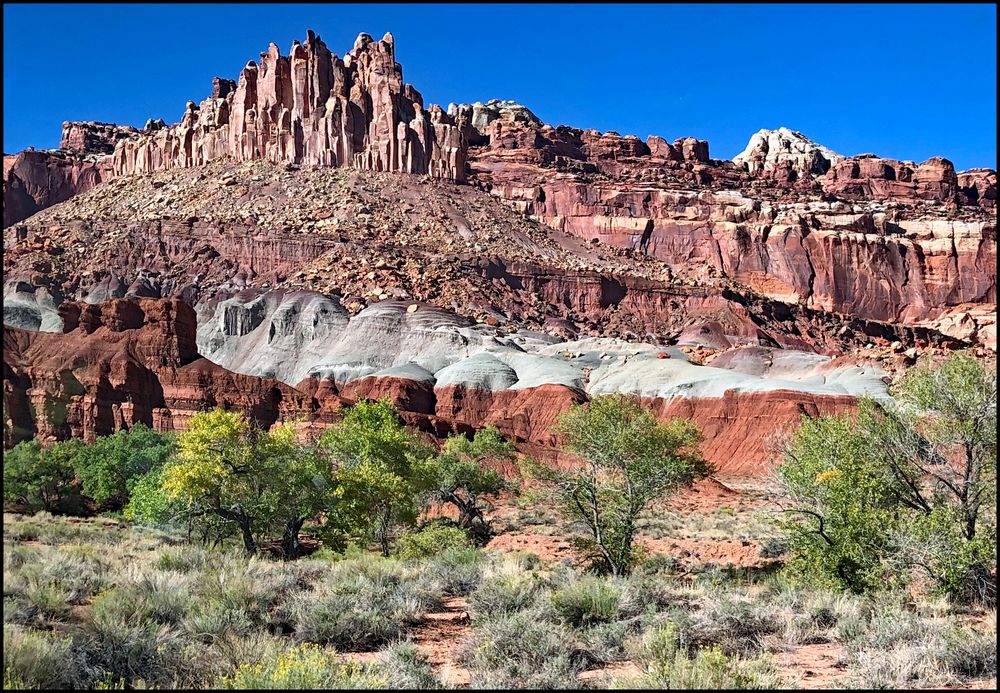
point(312, 234)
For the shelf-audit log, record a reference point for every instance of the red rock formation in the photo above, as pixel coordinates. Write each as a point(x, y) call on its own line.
point(773, 235)
point(93, 138)
point(34, 180)
point(130, 360)
point(310, 107)
point(121, 362)
point(741, 429)
point(868, 177)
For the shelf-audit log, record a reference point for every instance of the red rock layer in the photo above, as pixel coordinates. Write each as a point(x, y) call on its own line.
point(35, 180)
point(310, 107)
point(122, 362)
point(134, 359)
point(780, 239)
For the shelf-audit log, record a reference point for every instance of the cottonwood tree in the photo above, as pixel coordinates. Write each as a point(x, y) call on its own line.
point(257, 480)
point(907, 483)
point(381, 470)
point(41, 478)
point(627, 460)
point(462, 477)
point(109, 467)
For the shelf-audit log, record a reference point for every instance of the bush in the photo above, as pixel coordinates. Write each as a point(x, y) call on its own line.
point(587, 601)
point(405, 667)
point(305, 667)
point(523, 650)
point(737, 626)
point(431, 540)
point(40, 478)
point(360, 605)
point(504, 594)
point(32, 659)
point(454, 571)
point(671, 666)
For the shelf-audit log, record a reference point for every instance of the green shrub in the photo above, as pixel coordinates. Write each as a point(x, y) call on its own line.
point(304, 667)
point(670, 665)
point(360, 605)
point(709, 669)
point(405, 667)
point(431, 540)
point(40, 478)
point(523, 650)
point(161, 598)
point(505, 594)
point(32, 659)
point(587, 601)
point(454, 571)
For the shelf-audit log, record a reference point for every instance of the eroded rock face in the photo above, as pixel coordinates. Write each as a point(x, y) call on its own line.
point(122, 362)
point(890, 242)
point(136, 359)
point(34, 180)
point(93, 138)
point(309, 107)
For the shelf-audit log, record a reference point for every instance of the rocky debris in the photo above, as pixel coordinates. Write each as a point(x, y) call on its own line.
point(309, 107)
point(769, 150)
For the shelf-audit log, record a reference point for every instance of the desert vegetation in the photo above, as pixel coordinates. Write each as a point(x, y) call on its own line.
point(231, 557)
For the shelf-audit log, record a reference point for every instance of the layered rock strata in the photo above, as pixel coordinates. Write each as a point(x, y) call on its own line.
point(133, 359)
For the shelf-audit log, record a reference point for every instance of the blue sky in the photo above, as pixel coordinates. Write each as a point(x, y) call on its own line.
point(907, 82)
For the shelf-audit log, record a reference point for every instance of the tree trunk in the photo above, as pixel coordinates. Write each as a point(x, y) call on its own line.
point(249, 543)
point(384, 533)
point(290, 545)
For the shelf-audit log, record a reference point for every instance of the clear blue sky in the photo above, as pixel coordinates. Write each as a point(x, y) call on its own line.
point(907, 82)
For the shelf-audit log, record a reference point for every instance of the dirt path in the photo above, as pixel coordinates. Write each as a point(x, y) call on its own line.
point(441, 636)
point(811, 666)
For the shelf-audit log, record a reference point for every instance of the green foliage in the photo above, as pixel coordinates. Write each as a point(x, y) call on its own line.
point(34, 659)
point(841, 527)
point(361, 604)
point(109, 467)
point(257, 480)
point(587, 601)
point(381, 470)
point(148, 504)
point(465, 471)
point(40, 478)
point(521, 649)
point(629, 459)
point(902, 486)
point(431, 540)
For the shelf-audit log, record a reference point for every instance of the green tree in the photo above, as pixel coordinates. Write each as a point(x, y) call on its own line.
point(628, 459)
point(381, 470)
point(257, 480)
point(40, 478)
point(461, 477)
point(843, 518)
point(906, 483)
point(110, 466)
